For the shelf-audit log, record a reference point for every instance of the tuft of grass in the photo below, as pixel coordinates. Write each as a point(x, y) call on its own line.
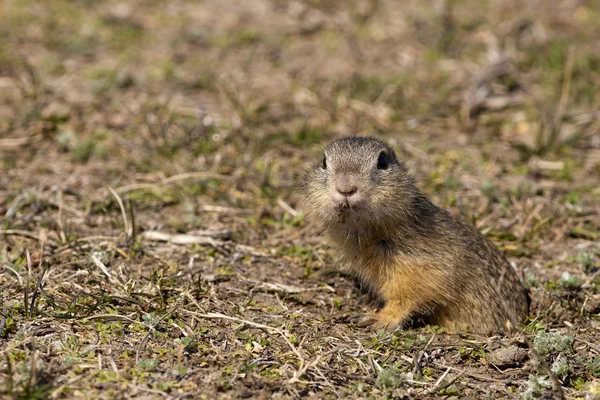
point(536, 388)
point(560, 367)
point(570, 282)
point(390, 378)
point(552, 343)
point(148, 364)
point(593, 367)
point(587, 260)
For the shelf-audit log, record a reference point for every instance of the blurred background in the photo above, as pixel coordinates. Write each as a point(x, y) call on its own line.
point(123, 87)
point(199, 115)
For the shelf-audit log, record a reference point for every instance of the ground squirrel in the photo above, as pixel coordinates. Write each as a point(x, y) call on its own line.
point(422, 262)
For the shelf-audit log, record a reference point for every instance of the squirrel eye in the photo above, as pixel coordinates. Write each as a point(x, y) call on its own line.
point(382, 161)
point(324, 165)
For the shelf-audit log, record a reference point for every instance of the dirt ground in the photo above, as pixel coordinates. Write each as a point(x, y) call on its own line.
point(126, 123)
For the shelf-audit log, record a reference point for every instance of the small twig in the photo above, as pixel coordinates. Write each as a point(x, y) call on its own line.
point(133, 231)
point(180, 238)
point(11, 143)
point(57, 205)
point(111, 317)
point(564, 94)
point(224, 234)
point(103, 268)
point(183, 239)
point(123, 212)
point(592, 346)
point(356, 377)
point(280, 287)
point(39, 281)
point(172, 179)
point(38, 286)
point(417, 360)
point(15, 273)
point(3, 321)
point(475, 376)
point(441, 378)
point(228, 210)
point(59, 217)
point(28, 234)
point(439, 387)
point(154, 391)
point(588, 282)
point(305, 367)
point(112, 362)
point(88, 239)
point(152, 328)
point(286, 207)
point(26, 292)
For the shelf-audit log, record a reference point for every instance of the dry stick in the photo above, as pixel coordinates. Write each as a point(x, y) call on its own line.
point(87, 239)
point(123, 212)
point(133, 236)
point(14, 142)
point(59, 217)
point(3, 322)
point(26, 293)
point(28, 234)
point(15, 273)
point(564, 98)
point(111, 317)
point(588, 282)
point(288, 289)
point(72, 210)
point(180, 238)
point(39, 281)
point(229, 210)
point(143, 389)
point(103, 268)
point(286, 207)
point(475, 376)
point(112, 362)
point(441, 378)
point(564, 94)
point(439, 387)
point(224, 234)
point(152, 328)
point(417, 360)
point(259, 326)
point(172, 179)
point(326, 381)
point(36, 291)
point(193, 239)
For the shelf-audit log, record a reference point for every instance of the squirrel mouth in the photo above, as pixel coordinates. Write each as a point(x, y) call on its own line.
point(346, 208)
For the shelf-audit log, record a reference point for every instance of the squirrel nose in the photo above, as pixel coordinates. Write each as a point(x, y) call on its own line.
point(347, 190)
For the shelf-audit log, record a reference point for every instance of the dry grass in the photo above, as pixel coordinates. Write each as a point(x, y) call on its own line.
point(150, 243)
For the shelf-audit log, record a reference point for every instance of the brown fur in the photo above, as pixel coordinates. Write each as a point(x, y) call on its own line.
point(416, 256)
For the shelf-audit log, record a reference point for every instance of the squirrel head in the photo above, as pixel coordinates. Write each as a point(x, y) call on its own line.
point(360, 181)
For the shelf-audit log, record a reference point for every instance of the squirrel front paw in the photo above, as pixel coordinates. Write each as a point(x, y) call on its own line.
point(377, 321)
